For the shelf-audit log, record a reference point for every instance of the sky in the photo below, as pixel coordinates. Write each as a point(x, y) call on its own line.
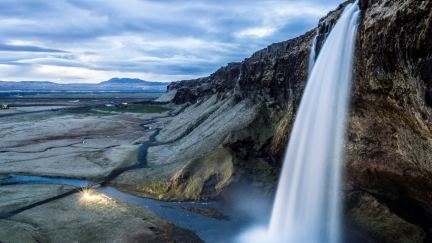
point(88, 41)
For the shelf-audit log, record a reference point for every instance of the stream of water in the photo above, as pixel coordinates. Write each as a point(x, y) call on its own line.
point(307, 204)
point(207, 228)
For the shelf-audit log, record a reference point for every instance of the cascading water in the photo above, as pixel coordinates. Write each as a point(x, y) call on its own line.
point(312, 55)
point(307, 207)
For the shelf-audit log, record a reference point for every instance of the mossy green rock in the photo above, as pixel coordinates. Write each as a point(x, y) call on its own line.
point(203, 178)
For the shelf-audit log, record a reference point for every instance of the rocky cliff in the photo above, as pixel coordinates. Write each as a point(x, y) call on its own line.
point(390, 148)
point(235, 124)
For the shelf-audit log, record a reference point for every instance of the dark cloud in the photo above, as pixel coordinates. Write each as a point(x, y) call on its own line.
point(151, 39)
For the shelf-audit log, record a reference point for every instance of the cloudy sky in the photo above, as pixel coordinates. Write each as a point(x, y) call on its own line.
point(76, 41)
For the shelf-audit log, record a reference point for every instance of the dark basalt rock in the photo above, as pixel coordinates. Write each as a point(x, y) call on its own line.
point(184, 95)
point(390, 150)
point(389, 147)
point(220, 82)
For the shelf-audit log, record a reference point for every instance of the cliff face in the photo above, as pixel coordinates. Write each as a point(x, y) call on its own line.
point(389, 149)
point(390, 139)
point(390, 130)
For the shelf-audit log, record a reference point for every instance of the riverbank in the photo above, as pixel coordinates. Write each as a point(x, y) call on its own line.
point(51, 157)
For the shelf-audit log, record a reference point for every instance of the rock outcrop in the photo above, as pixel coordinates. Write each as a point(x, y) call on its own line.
point(390, 136)
point(389, 147)
point(75, 218)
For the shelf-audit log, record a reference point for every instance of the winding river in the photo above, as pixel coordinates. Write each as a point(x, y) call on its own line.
point(207, 228)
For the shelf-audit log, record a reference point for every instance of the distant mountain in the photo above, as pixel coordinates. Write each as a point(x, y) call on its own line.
point(114, 84)
point(117, 81)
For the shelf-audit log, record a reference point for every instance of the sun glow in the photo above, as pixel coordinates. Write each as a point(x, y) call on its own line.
point(91, 197)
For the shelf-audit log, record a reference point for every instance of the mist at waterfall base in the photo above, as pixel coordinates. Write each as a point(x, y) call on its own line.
point(307, 206)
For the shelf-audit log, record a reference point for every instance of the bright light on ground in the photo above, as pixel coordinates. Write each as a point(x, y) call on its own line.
point(89, 196)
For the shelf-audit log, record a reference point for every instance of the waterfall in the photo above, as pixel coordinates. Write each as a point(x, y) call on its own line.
point(312, 55)
point(307, 207)
point(307, 204)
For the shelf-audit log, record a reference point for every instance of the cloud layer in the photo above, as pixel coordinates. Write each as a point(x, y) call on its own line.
point(90, 41)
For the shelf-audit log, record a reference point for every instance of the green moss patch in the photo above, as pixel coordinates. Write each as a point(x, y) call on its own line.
point(203, 178)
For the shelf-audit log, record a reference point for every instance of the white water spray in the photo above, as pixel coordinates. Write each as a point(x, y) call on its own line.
point(307, 204)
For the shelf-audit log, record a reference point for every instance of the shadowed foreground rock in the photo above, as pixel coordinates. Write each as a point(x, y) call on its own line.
point(77, 219)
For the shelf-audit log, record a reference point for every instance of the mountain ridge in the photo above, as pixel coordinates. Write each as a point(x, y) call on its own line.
point(120, 84)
